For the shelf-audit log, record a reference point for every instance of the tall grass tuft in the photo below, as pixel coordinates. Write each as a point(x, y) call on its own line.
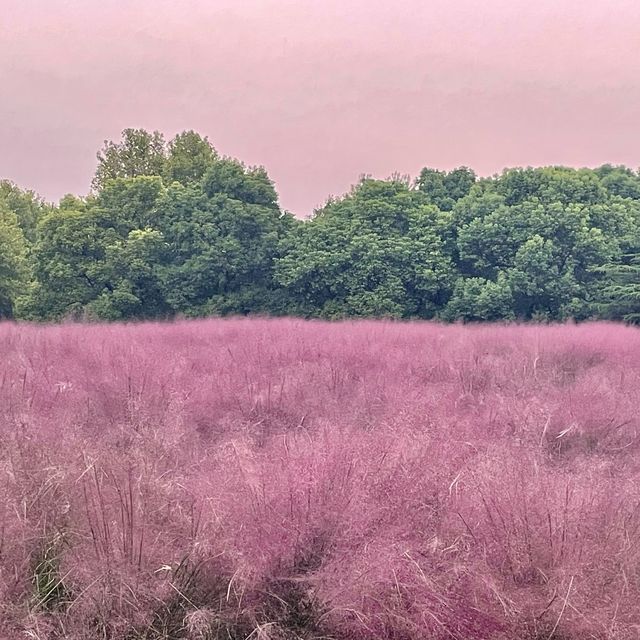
point(283, 480)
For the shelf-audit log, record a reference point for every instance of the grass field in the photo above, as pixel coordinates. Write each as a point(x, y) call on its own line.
point(280, 479)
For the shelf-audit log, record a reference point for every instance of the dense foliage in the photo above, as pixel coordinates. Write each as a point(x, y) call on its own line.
point(173, 228)
point(289, 480)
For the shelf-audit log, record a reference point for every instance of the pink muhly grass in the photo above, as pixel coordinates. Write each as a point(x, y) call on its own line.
point(289, 479)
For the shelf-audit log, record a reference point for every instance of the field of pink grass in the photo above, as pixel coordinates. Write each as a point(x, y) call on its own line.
point(281, 479)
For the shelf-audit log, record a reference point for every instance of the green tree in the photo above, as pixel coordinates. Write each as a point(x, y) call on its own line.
point(130, 203)
point(231, 178)
point(27, 206)
point(377, 251)
point(100, 256)
point(223, 235)
point(69, 263)
point(620, 181)
point(620, 295)
point(443, 188)
point(139, 153)
point(188, 159)
point(133, 288)
point(550, 185)
point(545, 246)
point(541, 286)
point(13, 261)
point(177, 229)
point(478, 299)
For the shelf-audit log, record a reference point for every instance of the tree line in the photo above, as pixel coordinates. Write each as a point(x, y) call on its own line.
point(176, 229)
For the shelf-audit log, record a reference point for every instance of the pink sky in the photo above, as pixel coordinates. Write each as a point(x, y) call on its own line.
point(320, 91)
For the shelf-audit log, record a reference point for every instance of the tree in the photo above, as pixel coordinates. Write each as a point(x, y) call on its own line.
point(176, 228)
point(139, 153)
point(13, 261)
point(544, 245)
point(620, 296)
point(133, 289)
point(445, 189)
point(224, 234)
point(27, 206)
point(130, 203)
point(458, 182)
point(185, 159)
point(188, 159)
point(550, 185)
point(620, 181)
point(478, 299)
point(377, 251)
point(234, 180)
point(69, 263)
point(99, 256)
point(540, 285)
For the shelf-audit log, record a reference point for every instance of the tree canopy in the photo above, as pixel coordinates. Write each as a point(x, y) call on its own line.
point(174, 228)
point(13, 261)
point(375, 252)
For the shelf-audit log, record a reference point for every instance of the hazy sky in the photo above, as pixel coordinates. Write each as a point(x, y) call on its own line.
point(320, 91)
